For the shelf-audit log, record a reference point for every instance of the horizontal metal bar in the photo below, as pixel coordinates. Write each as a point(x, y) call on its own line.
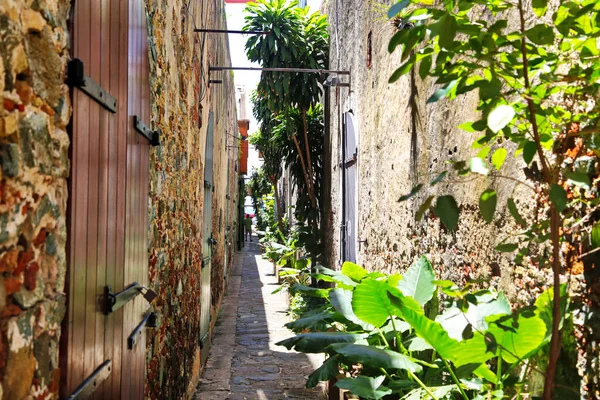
point(87, 387)
point(215, 81)
point(232, 31)
point(309, 70)
point(76, 78)
point(114, 301)
point(136, 335)
point(152, 136)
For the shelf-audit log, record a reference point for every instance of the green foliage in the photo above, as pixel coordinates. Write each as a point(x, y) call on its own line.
point(296, 39)
point(376, 328)
point(286, 103)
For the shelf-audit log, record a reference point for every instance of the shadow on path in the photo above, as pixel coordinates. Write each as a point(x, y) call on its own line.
point(244, 362)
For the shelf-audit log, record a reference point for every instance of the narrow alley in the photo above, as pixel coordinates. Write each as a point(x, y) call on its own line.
point(244, 362)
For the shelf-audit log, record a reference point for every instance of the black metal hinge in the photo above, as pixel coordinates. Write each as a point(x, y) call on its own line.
point(92, 382)
point(149, 321)
point(76, 78)
point(114, 301)
point(152, 136)
point(203, 340)
point(205, 261)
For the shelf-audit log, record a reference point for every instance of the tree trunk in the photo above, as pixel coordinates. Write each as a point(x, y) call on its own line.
point(308, 160)
point(278, 203)
point(306, 177)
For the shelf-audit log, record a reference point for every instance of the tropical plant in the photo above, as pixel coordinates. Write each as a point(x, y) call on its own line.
point(538, 83)
point(259, 186)
point(295, 39)
point(382, 332)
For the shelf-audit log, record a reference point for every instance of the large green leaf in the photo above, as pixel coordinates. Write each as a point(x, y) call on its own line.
point(447, 210)
point(341, 300)
point(396, 8)
point(487, 205)
point(440, 93)
point(336, 276)
point(375, 357)
point(440, 392)
point(540, 7)
point(431, 331)
point(318, 341)
point(541, 34)
point(455, 321)
point(315, 322)
point(310, 291)
point(328, 370)
point(500, 117)
point(543, 307)
point(514, 211)
point(417, 281)
point(370, 302)
point(365, 387)
point(517, 336)
point(353, 271)
point(558, 196)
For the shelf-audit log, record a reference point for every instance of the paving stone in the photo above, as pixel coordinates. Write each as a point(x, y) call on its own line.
point(244, 363)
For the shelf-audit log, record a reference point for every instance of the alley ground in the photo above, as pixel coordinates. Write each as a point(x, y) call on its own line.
point(244, 362)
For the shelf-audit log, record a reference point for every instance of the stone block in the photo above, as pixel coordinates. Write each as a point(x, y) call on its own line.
point(46, 66)
point(18, 377)
point(8, 124)
point(32, 21)
point(9, 159)
point(36, 142)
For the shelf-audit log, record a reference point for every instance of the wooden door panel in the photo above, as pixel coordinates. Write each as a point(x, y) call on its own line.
point(108, 207)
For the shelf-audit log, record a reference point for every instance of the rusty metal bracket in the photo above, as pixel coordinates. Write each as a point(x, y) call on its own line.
point(149, 321)
point(114, 301)
point(92, 382)
point(76, 78)
point(152, 136)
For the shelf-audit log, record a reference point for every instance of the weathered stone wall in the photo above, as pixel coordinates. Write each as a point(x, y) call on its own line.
point(404, 141)
point(34, 113)
point(181, 101)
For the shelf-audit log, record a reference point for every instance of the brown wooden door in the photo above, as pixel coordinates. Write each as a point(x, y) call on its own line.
point(108, 207)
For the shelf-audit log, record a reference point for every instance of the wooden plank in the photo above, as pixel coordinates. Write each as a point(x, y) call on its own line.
point(104, 167)
point(145, 112)
point(80, 204)
point(93, 68)
point(112, 192)
point(121, 21)
point(127, 373)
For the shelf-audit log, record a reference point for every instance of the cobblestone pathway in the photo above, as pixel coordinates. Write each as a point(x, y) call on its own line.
point(244, 362)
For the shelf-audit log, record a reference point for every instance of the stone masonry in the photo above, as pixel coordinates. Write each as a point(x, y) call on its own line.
point(181, 100)
point(244, 363)
point(34, 114)
point(402, 141)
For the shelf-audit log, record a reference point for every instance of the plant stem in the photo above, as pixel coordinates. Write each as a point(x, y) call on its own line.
point(499, 372)
point(384, 339)
point(386, 374)
point(400, 346)
point(308, 160)
point(554, 225)
point(455, 379)
point(306, 180)
point(410, 373)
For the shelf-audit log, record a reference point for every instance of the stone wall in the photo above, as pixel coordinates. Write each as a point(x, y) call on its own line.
point(404, 141)
point(181, 101)
point(34, 113)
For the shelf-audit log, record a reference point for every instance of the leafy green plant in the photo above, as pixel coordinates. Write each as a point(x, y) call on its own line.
point(285, 103)
point(538, 82)
point(376, 330)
